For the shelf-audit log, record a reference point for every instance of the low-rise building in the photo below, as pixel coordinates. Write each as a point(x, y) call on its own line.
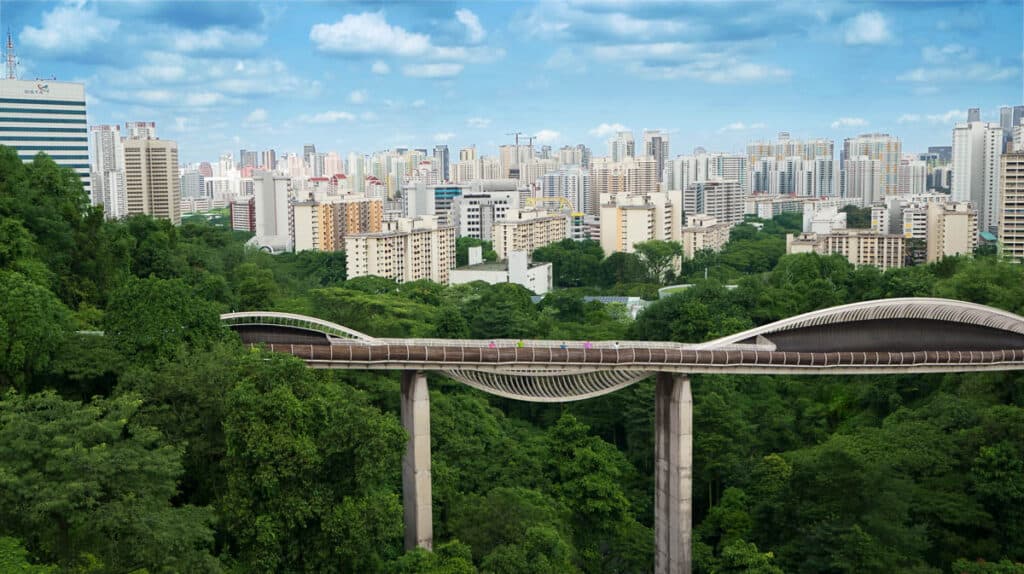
point(536, 277)
point(406, 249)
point(859, 246)
point(703, 232)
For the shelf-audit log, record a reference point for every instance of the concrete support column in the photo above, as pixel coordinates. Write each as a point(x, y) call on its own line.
point(416, 501)
point(673, 467)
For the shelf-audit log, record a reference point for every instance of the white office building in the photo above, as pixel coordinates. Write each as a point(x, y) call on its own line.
point(49, 117)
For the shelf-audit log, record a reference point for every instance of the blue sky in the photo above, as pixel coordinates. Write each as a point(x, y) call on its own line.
point(368, 76)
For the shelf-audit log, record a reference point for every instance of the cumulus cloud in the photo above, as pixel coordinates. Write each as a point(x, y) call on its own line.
point(215, 38)
point(203, 99)
point(868, 28)
point(673, 60)
point(974, 71)
point(257, 116)
point(479, 123)
point(547, 136)
point(943, 54)
point(443, 137)
point(368, 33)
point(445, 70)
point(949, 117)
point(607, 130)
point(381, 68)
point(908, 118)
point(474, 30)
point(849, 123)
point(70, 28)
point(740, 126)
point(357, 96)
point(331, 116)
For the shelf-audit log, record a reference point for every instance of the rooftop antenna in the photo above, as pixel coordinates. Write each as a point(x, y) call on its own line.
point(12, 62)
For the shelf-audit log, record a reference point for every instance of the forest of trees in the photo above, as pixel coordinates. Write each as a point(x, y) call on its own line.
point(138, 435)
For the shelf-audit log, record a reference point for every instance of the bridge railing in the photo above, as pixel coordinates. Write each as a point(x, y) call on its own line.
point(292, 320)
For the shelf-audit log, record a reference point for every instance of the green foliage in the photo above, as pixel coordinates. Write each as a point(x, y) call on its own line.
point(857, 217)
point(14, 559)
point(462, 245)
point(574, 263)
point(312, 472)
point(659, 258)
point(33, 325)
point(86, 478)
point(150, 319)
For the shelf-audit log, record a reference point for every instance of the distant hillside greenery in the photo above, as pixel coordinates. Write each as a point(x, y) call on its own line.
point(165, 446)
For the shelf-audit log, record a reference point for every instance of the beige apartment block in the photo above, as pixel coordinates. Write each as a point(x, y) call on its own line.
point(859, 246)
point(527, 230)
point(628, 219)
point(152, 184)
point(323, 226)
point(704, 232)
point(952, 230)
point(406, 249)
point(1011, 212)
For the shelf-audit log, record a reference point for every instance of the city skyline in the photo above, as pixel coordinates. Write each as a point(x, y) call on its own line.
point(356, 77)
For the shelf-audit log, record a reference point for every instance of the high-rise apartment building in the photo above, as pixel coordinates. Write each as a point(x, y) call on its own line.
point(976, 150)
point(152, 184)
point(863, 178)
point(243, 214)
point(721, 199)
point(405, 250)
point(912, 177)
point(441, 159)
point(272, 214)
point(108, 171)
point(973, 114)
point(621, 146)
point(528, 230)
point(140, 130)
point(656, 146)
point(324, 225)
point(1011, 213)
point(952, 230)
point(474, 213)
point(887, 150)
point(49, 117)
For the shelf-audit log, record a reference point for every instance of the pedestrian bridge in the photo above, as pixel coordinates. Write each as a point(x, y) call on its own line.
point(911, 335)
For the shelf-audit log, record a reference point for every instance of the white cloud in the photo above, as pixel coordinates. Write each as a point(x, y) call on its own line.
point(381, 68)
point(69, 29)
point(259, 115)
point(443, 137)
point(215, 38)
point(849, 123)
point(547, 136)
point(419, 103)
point(673, 60)
point(367, 116)
point(740, 126)
point(331, 116)
point(446, 70)
point(478, 122)
point(868, 28)
point(628, 26)
point(357, 96)
point(368, 33)
point(908, 118)
point(203, 99)
point(942, 54)
point(977, 71)
point(949, 117)
point(607, 130)
point(474, 30)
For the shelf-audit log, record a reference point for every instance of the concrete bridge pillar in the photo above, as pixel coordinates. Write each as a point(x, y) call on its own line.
point(673, 468)
point(416, 494)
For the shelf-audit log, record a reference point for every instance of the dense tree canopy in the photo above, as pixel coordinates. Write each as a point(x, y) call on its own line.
point(137, 435)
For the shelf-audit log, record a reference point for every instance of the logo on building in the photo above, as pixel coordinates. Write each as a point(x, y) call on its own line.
point(40, 89)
